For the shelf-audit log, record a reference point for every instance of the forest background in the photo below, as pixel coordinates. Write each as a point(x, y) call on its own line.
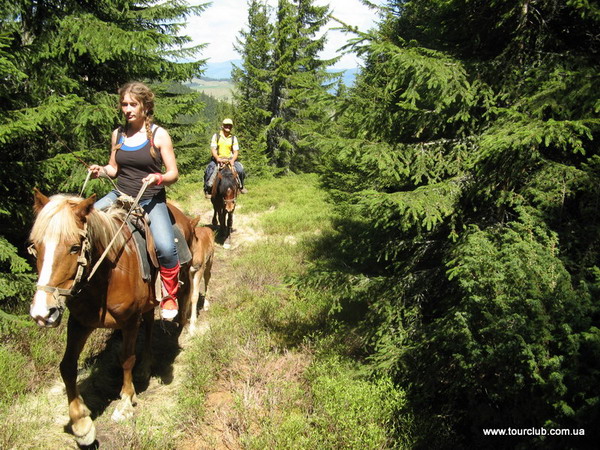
point(463, 168)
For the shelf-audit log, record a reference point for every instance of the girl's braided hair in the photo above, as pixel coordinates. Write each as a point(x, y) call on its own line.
point(145, 96)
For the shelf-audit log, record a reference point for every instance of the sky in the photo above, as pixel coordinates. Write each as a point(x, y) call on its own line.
point(219, 25)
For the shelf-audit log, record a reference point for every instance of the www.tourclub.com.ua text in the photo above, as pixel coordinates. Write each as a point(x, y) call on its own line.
point(533, 432)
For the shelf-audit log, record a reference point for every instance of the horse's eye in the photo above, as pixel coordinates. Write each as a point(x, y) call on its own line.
point(75, 249)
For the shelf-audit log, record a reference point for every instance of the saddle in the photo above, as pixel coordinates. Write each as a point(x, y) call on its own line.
point(144, 242)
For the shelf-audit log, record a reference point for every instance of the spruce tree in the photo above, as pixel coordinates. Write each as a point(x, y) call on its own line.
point(298, 84)
point(61, 66)
point(253, 86)
point(466, 170)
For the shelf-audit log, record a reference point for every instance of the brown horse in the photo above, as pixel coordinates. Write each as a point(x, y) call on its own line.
point(203, 250)
point(224, 194)
point(68, 237)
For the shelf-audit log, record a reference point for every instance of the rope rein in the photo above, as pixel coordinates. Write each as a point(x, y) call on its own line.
point(107, 249)
point(60, 294)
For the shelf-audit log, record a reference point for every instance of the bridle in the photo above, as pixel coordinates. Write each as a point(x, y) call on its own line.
point(230, 201)
point(60, 295)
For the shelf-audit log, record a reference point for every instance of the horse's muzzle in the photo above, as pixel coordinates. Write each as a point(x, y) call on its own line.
point(52, 320)
point(47, 317)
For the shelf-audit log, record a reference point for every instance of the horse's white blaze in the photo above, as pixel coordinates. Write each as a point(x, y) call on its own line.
point(39, 307)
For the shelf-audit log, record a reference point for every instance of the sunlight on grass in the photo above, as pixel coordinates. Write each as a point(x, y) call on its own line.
point(261, 351)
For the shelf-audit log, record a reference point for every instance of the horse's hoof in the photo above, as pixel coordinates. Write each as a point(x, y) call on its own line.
point(227, 246)
point(123, 411)
point(84, 431)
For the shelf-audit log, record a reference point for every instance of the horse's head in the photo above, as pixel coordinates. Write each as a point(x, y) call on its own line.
point(228, 188)
point(59, 241)
point(229, 199)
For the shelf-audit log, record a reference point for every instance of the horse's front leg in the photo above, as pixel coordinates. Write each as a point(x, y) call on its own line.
point(206, 277)
point(222, 216)
point(124, 409)
point(215, 213)
point(229, 222)
point(82, 425)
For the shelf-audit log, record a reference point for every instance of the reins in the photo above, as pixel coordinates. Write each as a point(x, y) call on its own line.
point(60, 294)
point(106, 250)
point(87, 178)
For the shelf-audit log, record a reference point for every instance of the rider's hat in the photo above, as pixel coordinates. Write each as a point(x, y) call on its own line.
point(227, 122)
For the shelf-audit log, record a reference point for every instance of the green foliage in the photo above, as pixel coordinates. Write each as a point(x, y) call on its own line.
point(14, 282)
point(253, 85)
point(511, 331)
point(61, 68)
point(351, 412)
point(465, 174)
point(282, 97)
point(346, 412)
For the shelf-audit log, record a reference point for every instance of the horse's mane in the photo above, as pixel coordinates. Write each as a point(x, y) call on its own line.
point(227, 181)
point(57, 221)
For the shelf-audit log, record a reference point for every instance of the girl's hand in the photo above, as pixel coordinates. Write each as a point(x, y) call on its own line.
point(95, 170)
point(153, 179)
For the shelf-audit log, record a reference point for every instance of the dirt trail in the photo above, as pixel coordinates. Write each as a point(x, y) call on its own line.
point(156, 397)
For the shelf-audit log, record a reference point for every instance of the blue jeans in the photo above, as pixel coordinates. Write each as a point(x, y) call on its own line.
point(212, 165)
point(160, 226)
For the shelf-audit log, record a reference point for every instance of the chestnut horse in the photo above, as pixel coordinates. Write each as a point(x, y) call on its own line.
point(224, 193)
point(68, 237)
point(203, 251)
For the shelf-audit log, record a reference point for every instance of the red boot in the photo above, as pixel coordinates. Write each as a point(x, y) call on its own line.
point(170, 280)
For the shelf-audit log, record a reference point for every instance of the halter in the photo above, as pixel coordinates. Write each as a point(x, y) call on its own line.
point(59, 294)
point(220, 177)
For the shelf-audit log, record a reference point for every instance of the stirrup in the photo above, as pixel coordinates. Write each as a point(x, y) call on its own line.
point(168, 314)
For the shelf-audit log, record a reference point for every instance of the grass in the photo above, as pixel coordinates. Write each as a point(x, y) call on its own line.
point(268, 345)
point(267, 365)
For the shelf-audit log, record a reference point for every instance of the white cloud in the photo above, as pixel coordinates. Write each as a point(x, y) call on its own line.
point(220, 24)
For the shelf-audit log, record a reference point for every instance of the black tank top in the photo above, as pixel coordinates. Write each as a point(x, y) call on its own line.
point(134, 164)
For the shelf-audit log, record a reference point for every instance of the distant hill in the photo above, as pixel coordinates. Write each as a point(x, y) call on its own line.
point(221, 71)
point(216, 80)
point(219, 89)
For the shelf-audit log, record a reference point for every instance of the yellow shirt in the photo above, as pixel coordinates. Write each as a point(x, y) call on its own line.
point(227, 145)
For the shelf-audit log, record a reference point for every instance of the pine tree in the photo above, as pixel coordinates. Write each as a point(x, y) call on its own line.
point(299, 81)
point(466, 170)
point(253, 86)
point(61, 67)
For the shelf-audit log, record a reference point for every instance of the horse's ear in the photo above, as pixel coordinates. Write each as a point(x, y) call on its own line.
point(194, 222)
point(39, 200)
point(84, 208)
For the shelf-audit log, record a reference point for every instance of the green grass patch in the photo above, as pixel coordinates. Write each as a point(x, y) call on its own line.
point(332, 407)
point(271, 345)
point(12, 367)
point(292, 205)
